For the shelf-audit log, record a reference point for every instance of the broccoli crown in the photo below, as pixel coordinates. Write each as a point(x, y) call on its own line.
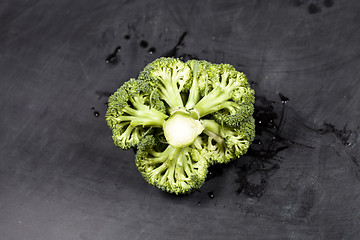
point(172, 169)
point(181, 117)
point(132, 110)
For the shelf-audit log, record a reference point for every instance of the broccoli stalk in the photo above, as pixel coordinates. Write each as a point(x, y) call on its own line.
point(183, 117)
point(181, 130)
point(194, 93)
point(142, 115)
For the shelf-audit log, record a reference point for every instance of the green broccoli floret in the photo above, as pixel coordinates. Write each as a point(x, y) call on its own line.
point(170, 76)
point(132, 109)
point(228, 96)
point(228, 142)
point(181, 118)
point(172, 169)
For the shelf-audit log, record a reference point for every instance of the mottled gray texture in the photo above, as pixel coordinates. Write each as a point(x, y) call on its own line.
point(62, 178)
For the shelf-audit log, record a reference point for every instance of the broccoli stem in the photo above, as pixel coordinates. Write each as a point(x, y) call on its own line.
point(213, 130)
point(181, 130)
point(143, 116)
point(188, 165)
point(159, 170)
point(230, 106)
point(194, 94)
point(216, 128)
point(180, 161)
point(211, 102)
point(214, 136)
point(212, 126)
point(217, 98)
point(169, 91)
point(172, 97)
point(171, 163)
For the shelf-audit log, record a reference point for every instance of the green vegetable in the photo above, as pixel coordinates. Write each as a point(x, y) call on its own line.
point(181, 118)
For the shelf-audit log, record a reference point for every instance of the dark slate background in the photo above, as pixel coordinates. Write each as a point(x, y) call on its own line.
point(62, 178)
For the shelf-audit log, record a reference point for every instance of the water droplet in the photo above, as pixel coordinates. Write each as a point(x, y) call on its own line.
point(152, 50)
point(211, 195)
point(198, 203)
point(96, 113)
point(257, 141)
point(144, 44)
point(214, 171)
point(112, 58)
point(283, 98)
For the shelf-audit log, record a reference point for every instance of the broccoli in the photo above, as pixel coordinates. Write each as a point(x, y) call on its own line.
point(182, 117)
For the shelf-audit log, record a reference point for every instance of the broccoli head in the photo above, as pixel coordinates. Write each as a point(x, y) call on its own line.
point(182, 117)
point(172, 169)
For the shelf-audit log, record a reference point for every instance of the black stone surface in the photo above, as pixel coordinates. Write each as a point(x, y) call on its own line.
point(62, 178)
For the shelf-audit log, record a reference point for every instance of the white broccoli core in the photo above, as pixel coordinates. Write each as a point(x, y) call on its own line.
point(181, 130)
